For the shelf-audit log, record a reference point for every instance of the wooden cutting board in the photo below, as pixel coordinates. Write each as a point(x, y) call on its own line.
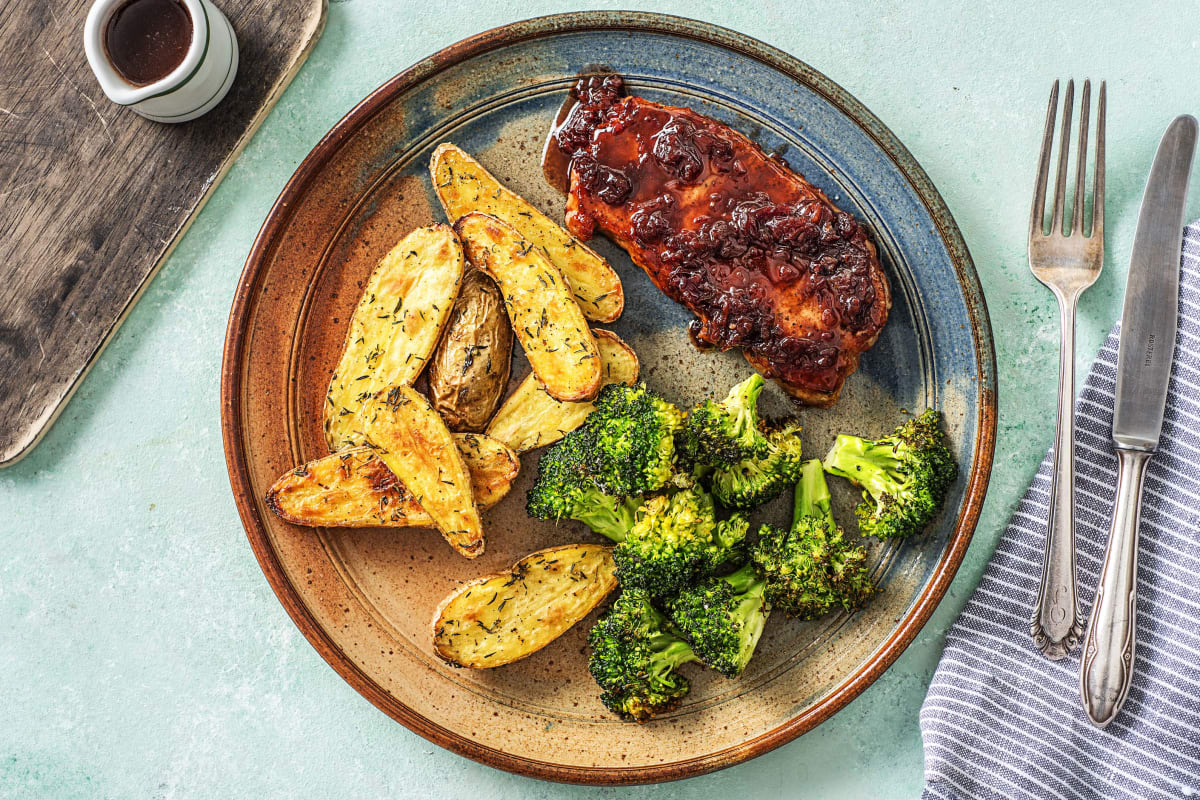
point(93, 197)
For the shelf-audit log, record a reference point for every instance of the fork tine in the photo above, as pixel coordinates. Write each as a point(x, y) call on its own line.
point(1038, 214)
point(1064, 150)
point(1098, 181)
point(1081, 160)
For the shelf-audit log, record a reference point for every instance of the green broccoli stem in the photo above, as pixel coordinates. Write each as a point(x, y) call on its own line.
point(608, 516)
point(868, 464)
point(753, 613)
point(746, 393)
point(743, 579)
point(743, 401)
point(812, 493)
point(750, 588)
point(669, 652)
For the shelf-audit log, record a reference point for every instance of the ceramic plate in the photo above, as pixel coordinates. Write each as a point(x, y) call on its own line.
point(365, 598)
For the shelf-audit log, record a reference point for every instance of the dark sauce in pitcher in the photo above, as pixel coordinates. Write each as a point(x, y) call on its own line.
point(145, 40)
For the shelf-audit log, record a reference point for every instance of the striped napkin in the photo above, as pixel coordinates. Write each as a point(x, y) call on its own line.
point(1001, 721)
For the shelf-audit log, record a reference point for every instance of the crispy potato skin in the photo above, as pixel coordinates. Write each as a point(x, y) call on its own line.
point(501, 618)
point(354, 488)
point(418, 448)
point(395, 327)
point(469, 369)
point(545, 317)
point(463, 186)
point(531, 418)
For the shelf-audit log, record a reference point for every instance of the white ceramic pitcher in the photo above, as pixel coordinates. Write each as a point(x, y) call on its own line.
point(199, 82)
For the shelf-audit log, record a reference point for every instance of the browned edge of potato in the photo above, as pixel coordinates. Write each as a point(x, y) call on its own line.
point(353, 488)
point(394, 328)
point(498, 619)
point(463, 186)
point(469, 369)
point(415, 444)
point(531, 418)
point(545, 317)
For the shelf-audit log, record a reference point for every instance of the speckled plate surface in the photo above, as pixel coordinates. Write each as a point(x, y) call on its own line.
point(364, 598)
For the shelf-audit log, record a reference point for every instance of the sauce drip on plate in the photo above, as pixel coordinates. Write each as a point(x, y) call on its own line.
point(556, 160)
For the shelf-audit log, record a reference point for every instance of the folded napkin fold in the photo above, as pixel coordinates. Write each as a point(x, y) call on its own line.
point(1001, 721)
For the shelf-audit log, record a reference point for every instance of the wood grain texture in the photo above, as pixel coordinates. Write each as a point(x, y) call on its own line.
point(93, 197)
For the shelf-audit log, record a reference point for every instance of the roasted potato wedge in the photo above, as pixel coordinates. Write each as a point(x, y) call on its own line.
point(395, 327)
point(469, 369)
point(531, 418)
point(548, 323)
point(500, 618)
point(415, 444)
point(464, 186)
point(355, 489)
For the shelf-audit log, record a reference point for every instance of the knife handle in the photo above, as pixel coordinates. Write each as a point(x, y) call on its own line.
point(1107, 666)
point(1057, 622)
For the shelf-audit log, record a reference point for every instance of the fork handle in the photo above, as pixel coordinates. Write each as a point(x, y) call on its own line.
point(1107, 665)
point(1057, 623)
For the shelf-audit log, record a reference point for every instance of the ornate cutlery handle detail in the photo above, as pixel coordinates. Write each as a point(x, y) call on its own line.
point(1057, 623)
point(1107, 667)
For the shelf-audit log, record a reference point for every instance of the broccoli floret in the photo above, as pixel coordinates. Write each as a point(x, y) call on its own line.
point(632, 440)
point(565, 489)
point(905, 475)
point(675, 540)
point(724, 433)
point(723, 618)
point(811, 568)
point(731, 543)
point(634, 657)
point(606, 515)
point(562, 476)
point(754, 481)
point(597, 473)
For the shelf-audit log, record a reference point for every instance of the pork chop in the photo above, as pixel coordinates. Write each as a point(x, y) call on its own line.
point(762, 257)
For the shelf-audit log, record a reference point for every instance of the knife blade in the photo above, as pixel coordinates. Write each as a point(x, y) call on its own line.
point(1148, 323)
point(1151, 310)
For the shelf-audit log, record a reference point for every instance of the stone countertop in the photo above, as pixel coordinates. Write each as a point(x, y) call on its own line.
point(144, 655)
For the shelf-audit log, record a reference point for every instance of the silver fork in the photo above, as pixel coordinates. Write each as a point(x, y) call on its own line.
point(1067, 262)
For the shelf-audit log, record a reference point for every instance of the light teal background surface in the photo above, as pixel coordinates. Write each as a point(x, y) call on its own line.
point(142, 653)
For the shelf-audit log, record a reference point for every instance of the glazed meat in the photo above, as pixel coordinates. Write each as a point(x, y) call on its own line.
point(763, 258)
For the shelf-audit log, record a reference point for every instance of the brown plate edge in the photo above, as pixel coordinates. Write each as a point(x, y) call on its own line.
point(237, 339)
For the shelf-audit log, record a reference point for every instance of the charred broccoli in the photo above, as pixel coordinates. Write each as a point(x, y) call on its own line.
point(566, 489)
point(723, 618)
point(676, 539)
point(754, 481)
point(720, 434)
point(905, 475)
point(811, 569)
point(634, 657)
point(632, 439)
point(597, 473)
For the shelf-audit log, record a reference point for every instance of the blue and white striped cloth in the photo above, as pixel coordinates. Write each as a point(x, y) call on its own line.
point(1001, 721)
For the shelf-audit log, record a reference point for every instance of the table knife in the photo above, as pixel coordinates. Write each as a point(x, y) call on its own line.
point(1148, 323)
